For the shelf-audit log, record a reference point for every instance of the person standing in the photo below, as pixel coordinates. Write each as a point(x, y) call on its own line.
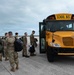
point(13, 56)
point(24, 52)
point(16, 35)
point(1, 48)
point(32, 43)
point(5, 49)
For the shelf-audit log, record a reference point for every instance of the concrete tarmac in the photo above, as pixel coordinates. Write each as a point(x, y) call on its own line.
point(39, 65)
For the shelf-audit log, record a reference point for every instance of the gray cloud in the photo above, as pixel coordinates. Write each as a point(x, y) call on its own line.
point(28, 13)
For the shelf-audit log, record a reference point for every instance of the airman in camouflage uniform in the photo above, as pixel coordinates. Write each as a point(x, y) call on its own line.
point(5, 47)
point(32, 42)
point(16, 35)
point(24, 52)
point(1, 49)
point(13, 56)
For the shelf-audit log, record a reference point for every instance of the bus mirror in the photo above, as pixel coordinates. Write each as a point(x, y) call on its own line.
point(44, 22)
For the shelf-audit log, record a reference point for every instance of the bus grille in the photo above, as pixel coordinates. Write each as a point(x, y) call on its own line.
point(68, 41)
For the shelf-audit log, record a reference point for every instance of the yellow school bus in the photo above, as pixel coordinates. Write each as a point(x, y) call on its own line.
point(56, 34)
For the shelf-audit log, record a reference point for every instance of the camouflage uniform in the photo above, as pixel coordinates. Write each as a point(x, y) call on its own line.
point(32, 39)
point(13, 56)
point(24, 52)
point(16, 36)
point(1, 49)
point(5, 49)
point(32, 42)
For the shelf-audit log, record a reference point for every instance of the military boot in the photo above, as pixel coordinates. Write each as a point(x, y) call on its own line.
point(0, 57)
point(6, 59)
point(12, 69)
point(32, 54)
point(17, 67)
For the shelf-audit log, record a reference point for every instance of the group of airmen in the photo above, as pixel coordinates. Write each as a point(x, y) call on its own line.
point(9, 52)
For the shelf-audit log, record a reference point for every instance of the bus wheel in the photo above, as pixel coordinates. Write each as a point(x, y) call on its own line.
point(50, 55)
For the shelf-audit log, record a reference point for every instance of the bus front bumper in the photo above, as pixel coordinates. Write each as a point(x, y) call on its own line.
point(63, 51)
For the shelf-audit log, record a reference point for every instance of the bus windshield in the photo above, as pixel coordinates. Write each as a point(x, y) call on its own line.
point(60, 26)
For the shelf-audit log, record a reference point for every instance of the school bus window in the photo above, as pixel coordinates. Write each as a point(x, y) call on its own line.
point(69, 26)
point(60, 26)
point(42, 28)
point(48, 26)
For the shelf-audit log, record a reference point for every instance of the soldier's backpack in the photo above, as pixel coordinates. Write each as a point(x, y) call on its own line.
point(18, 45)
point(32, 49)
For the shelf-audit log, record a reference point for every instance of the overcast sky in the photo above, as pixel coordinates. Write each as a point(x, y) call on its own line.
point(24, 15)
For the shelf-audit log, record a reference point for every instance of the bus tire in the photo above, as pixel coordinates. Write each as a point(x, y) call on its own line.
point(50, 55)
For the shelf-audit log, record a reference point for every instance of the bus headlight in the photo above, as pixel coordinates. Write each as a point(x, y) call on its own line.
point(55, 45)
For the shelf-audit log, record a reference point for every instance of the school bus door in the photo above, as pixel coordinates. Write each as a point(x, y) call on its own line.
point(42, 37)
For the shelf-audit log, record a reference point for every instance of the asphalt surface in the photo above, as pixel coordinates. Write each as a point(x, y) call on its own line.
point(39, 65)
